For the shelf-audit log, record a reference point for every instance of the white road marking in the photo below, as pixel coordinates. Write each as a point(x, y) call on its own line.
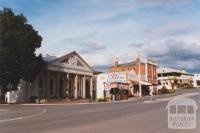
point(170, 98)
point(1, 110)
point(149, 101)
point(164, 99)
point(25, 117)
point(187, 95)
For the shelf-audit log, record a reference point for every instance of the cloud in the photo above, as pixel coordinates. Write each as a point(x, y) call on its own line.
point(102, 30)
point(167, 1)
point(172, 53)
point(78, 39)
point(177, 28)
point(91, 47)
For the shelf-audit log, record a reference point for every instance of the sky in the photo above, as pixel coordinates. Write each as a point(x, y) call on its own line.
point(166, 31)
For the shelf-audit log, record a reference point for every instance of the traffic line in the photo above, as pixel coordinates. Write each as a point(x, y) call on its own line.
point(149, 101)
point(2, 110)
point(164, 99)
point(24, 117)
point(187, 95)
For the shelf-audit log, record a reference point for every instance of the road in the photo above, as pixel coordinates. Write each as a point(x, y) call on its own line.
point(137, 116)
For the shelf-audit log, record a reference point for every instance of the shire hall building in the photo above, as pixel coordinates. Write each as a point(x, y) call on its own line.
point(66, 76)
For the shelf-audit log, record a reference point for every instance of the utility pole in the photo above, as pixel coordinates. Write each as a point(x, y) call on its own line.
point(161, 71)
point(140, 86)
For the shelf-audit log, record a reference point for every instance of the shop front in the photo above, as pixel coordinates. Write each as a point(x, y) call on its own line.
point(145, 86)
point(114, 86)
point(118, 91)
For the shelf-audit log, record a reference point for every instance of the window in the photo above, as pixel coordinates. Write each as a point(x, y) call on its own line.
point(159, 82)
point(198, 82)
point(40, 86)
point(51, 87)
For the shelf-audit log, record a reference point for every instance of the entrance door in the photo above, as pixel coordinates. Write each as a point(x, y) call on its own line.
point(87, 89)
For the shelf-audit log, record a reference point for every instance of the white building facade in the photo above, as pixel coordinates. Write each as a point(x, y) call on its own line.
point(196, 80)
point(65, 76)
point(174, 78)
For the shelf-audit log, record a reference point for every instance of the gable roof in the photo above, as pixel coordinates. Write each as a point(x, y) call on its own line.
point(54, 57)
point(172, 70)
point(127, 64)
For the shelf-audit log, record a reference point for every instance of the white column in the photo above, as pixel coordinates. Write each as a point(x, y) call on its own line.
point(91, 85)
point(83, 87)
point(80, 86)
point(75, 86)
point(66, 85)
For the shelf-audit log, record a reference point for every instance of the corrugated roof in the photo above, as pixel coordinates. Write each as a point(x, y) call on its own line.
point(53, 57)
point(171, 70)
point(127, 64)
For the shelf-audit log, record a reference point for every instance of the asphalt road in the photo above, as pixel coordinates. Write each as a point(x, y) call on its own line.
point(137, 116)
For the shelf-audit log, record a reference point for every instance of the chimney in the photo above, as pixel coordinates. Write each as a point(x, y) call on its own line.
point(183, 70)
point(116, 62)
point(137, 59)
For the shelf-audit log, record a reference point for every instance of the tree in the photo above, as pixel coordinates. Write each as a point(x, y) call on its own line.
point(18, 43)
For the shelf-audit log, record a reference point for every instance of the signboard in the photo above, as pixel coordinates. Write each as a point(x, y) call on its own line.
point(115, 77)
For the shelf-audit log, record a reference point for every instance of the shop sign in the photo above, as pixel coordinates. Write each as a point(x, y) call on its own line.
point(116, 77)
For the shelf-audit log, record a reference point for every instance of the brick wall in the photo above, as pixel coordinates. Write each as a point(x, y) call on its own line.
point(151, 69)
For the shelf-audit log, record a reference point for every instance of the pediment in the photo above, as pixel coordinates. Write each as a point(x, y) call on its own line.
point(72, 61)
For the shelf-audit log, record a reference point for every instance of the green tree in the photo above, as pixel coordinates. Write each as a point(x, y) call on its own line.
point(18, 43)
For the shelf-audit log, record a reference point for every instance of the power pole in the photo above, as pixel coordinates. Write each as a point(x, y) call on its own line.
point(140, 86)
point(161, 71)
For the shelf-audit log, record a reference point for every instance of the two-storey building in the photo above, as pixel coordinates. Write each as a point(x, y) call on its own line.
point(146, 70)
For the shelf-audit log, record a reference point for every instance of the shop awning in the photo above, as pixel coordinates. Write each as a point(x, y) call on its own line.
point(142, 82)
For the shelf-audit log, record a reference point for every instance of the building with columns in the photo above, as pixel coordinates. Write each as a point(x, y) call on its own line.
point(65, 76)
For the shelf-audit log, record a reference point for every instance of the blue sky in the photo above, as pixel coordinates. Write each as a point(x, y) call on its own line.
point(101, 30)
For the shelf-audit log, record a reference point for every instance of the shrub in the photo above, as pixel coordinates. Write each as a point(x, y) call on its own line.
point(102, 100)
point(164, 90)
